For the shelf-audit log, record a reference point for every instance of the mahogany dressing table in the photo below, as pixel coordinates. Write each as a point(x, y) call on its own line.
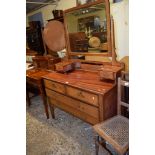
point(82, 94)
point(90, 91)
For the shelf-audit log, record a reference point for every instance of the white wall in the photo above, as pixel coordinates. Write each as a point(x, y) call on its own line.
point(120, 12)
point(66, 4)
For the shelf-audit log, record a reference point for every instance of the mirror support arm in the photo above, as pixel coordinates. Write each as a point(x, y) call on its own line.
point(114, 55)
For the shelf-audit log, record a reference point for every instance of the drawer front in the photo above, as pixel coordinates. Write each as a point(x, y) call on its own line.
point(83, 95)
point(74, 112)
point(55, 86)
point(80, 106)
point(107, 75)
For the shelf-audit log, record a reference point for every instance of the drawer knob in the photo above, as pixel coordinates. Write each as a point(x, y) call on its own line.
point(53, 85)
point(81, 95)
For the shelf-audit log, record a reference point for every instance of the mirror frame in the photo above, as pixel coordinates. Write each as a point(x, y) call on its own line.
point(107, 10)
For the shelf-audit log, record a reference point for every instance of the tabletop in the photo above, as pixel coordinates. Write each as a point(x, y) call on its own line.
point(87, 80)
point(36, 74)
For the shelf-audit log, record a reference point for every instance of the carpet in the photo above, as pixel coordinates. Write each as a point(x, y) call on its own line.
point(64, 135)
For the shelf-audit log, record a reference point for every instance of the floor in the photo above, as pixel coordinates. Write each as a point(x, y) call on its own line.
point(64, 135)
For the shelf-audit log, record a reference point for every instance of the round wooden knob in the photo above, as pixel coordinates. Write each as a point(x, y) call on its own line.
point(94, 42)
point(54, 36)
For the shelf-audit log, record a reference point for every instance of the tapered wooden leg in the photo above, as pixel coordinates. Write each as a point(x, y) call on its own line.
point(28, 98)
point(44, 102)
point(45, 106)
point(51, 108)
point(52, 111)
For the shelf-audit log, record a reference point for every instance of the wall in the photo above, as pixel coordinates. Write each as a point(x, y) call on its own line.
point(120, 12)
point(47, 10)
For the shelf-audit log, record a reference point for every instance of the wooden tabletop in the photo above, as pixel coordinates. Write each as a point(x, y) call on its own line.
point(86, 80)
point(36, 73)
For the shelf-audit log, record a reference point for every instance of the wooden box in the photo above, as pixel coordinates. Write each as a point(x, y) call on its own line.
point(67, 66)
point(109, 75)
point(108, 72)
point(64, 67)
point(52, 62)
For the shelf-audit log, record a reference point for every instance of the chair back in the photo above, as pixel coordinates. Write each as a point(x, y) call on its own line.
point(123, 93)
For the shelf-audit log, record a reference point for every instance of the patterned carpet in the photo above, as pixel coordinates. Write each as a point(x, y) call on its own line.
point(64, 135)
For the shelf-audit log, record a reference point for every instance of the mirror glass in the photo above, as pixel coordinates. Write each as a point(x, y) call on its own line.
point(87, 29)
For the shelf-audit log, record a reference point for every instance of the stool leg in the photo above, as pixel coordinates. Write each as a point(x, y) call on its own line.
point(96, 144)
point(102, 142)
point(127, 152)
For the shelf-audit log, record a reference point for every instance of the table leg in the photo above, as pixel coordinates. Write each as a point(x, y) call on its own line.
point(28, 98)
point(44, 101)
point(51, 108)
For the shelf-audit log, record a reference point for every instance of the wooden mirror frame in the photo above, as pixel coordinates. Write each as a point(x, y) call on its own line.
point(109, 43)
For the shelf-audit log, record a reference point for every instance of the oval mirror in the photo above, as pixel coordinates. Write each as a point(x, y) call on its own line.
point(54, 36)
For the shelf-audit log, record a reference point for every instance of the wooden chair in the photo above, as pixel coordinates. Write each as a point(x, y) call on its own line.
point(114, 131)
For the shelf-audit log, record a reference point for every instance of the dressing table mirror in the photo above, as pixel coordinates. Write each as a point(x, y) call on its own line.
point(88, 31)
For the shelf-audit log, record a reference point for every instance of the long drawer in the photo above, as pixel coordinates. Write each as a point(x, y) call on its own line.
point(82, 95)
point(55, 86)
point(75, 112)
point(86, 109)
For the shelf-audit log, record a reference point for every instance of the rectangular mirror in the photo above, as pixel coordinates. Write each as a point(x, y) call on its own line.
point(87, 28)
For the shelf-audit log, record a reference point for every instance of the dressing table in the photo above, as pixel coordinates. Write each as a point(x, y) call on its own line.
point(82, 94)
point(90, 91)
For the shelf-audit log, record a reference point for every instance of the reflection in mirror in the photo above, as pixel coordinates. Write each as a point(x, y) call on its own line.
point(87, 29)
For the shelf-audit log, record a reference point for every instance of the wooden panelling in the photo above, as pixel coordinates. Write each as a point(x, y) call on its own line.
point(55, 86)
point(83, 107)
point(82, 95)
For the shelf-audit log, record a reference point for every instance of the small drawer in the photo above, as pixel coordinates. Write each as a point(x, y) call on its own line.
point(107, 75)
point(55, 86)
point(83, 95)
